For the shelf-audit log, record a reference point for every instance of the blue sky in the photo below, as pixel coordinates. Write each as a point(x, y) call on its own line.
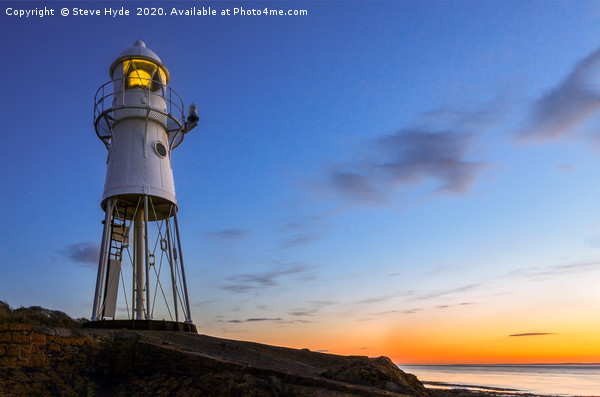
point(370, 165)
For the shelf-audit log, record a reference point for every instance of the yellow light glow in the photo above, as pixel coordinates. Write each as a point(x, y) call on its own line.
point(138, 79)
point(142, 74)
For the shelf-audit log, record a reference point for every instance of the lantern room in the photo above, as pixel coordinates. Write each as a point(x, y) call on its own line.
point(139, 68)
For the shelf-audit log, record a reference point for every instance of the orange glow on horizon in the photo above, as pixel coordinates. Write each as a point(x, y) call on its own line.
point(494, 346)
point(453, 343)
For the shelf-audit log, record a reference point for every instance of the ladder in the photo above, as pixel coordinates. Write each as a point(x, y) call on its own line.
point(119, 240)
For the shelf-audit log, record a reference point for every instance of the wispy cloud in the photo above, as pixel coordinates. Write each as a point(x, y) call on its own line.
point(418, 296)
point(355, 186)
point(203, 303)
point(384, 297)
point(448, 292)
point(314, 307)
point(228, 234)
point(409, 157)
point(413, 155)
point(303, 312)
point(300, 240)
point(437, 150)
point(321, 303)
point(533, 334)
point(481, 118)
point(303, 230)
point(566, 167)
point(254, 320)
point(555, 113)
point(408, 311)
point(258, 281)
point(413, 311)
point(86, 253)
point(542, 273)
point(421, 296)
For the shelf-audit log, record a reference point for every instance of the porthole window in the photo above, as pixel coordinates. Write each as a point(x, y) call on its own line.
point(160, 149)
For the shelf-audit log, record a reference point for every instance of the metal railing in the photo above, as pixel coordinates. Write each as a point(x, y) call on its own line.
point(109, 99)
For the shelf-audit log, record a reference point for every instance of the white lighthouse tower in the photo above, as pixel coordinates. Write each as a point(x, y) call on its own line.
point(140, 120)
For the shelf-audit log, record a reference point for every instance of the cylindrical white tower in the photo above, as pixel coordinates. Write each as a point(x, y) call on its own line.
point(140, 120)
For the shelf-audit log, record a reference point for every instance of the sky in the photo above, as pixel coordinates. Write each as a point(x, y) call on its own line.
point(411, 179)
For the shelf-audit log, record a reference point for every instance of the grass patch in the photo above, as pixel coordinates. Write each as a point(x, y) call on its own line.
point(37, 315)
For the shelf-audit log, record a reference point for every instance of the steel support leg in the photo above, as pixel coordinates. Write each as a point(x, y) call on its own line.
point(188, 314)
point(103, 259)
point(173, 278)
point(138, 251)
point(147, 259)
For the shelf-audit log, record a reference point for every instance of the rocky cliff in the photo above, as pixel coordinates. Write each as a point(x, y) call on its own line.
point(41, 360)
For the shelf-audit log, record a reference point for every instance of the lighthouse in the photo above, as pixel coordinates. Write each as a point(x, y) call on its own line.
point(140, 120)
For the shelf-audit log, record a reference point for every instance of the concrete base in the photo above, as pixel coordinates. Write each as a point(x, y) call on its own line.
point(149, 325)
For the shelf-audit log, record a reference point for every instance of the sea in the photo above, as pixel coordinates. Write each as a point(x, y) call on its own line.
point(539, 379)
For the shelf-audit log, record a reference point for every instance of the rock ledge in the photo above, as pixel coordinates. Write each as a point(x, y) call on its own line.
point(41, 360)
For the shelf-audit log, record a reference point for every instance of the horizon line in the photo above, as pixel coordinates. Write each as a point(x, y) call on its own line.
point(498, 364)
